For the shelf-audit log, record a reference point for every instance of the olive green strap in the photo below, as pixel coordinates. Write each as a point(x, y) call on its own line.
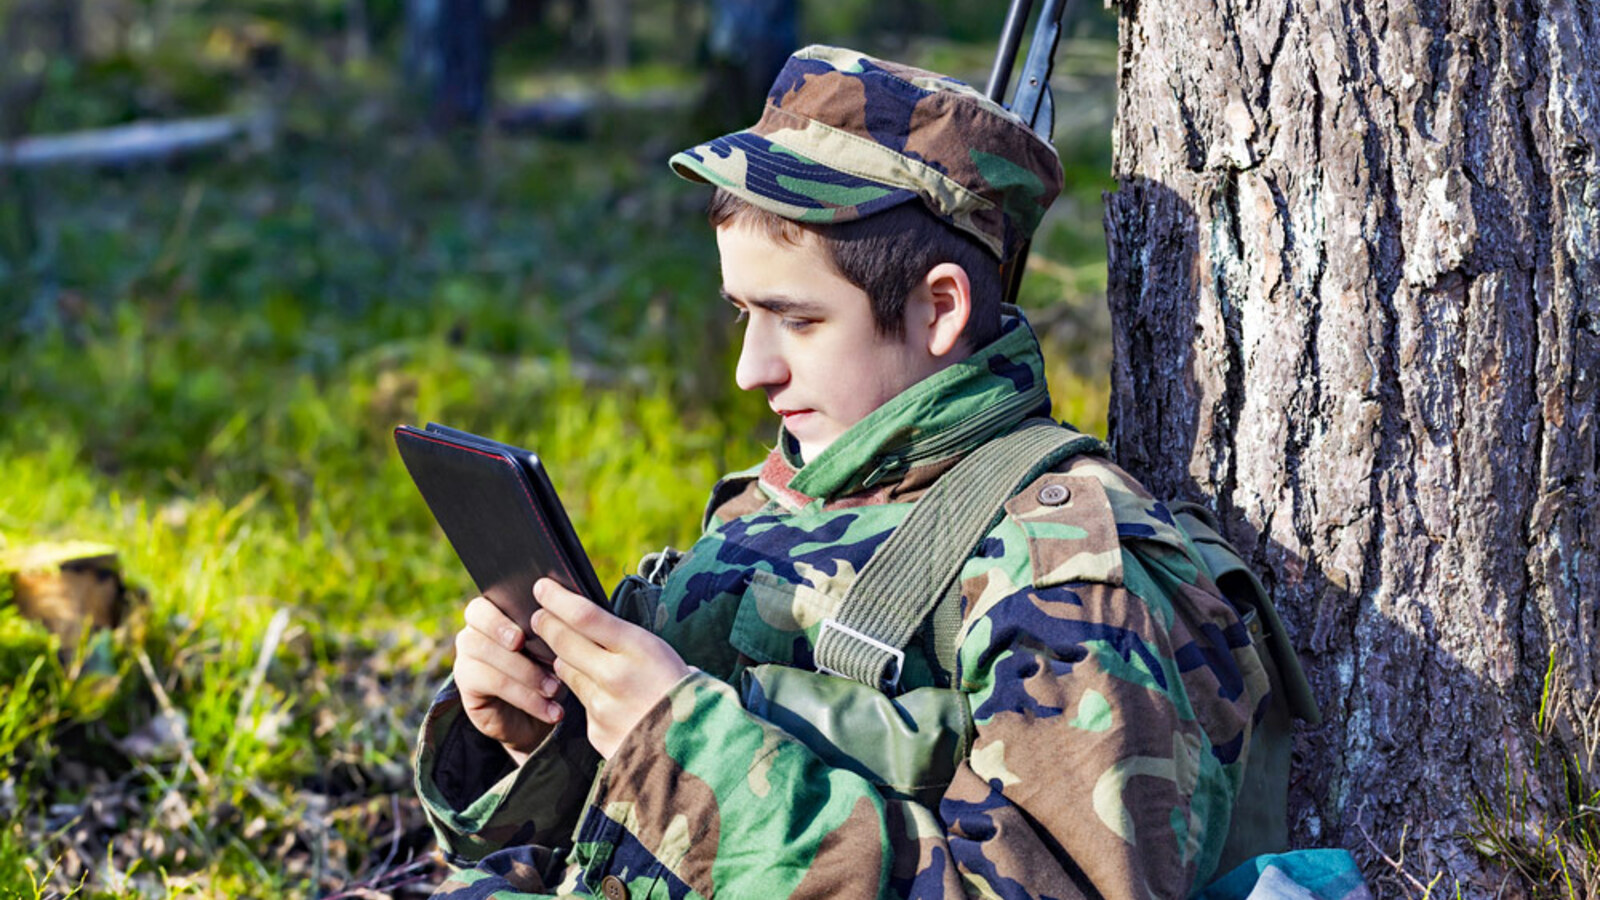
point(944, 629)
point(1236, 582)
point(921, 560)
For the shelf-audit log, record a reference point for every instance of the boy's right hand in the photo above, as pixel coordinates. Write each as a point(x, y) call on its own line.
point(506, 695)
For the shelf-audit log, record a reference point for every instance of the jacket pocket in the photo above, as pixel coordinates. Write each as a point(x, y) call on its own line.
point(908, 745)
point(777, 621)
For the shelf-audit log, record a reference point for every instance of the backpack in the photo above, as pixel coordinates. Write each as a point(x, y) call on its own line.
point(914, 577)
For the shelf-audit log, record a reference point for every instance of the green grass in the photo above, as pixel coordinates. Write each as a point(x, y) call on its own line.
point(1554, 847)
point(212, 392)
point(201, 365)
point(292, 503)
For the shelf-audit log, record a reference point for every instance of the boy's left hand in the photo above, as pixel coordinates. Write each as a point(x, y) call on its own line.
point(617, 670)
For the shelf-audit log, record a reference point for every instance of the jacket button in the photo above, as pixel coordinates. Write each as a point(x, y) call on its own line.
point(612, 887)
point(1054, 494)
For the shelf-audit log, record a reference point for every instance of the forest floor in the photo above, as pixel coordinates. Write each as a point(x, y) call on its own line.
point(203, 362)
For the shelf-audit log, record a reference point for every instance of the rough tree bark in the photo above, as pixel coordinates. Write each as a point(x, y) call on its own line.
point(1355, 283)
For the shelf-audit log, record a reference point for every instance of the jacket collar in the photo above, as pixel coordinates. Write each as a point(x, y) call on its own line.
point(928, 426)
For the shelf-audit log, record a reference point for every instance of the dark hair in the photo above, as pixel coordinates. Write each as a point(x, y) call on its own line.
point(887, 255)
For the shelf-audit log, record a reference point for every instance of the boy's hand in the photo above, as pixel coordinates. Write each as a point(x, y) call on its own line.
point(506, 695)
point(617, 669)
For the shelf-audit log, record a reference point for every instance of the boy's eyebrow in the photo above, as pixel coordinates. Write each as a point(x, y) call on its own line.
point(783, 306)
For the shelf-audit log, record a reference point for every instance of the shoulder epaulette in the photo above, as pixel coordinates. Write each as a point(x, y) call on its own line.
point(728, 497)
point(1077, 517)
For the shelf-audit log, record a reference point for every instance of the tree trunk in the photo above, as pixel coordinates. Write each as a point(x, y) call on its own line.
point(747, 43)
point(616, 31)
point(448, 59)
point(1355, 286)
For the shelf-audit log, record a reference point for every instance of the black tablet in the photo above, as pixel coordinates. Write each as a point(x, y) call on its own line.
point(502, 516)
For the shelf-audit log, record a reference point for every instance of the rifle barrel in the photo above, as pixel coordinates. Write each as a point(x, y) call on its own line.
point(1032, 101)
point(1010, 40)
point(1033, 88)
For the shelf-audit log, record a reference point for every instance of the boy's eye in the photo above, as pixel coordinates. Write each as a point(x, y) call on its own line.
point(740, 314)
point(798, 324)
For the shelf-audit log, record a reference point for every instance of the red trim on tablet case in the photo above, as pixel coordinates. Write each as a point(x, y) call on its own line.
point(522, 479)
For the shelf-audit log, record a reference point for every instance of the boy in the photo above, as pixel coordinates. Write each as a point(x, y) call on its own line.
point(1077, 713)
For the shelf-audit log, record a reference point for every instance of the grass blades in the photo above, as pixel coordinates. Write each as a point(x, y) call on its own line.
point(201, 365)
point(1557, 854)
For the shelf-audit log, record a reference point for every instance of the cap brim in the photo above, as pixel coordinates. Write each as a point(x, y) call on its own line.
point(781, 181)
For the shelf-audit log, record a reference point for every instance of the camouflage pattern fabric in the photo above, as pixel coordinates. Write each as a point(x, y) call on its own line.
point(1111, 694)
point(844, 135)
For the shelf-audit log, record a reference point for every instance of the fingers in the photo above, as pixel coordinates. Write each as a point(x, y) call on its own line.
point(582, 686)
point(492, 637)
point(573, 647)
point(494, 625)
point(485, 667)
point(590, 619)
point(487, 618)
point(519, 732)
point(491, 673)
point(577, 631)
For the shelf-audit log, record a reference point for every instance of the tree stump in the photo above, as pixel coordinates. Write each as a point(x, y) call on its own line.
point(67, 586)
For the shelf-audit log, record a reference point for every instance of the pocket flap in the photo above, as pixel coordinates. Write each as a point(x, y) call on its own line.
point(777, 621)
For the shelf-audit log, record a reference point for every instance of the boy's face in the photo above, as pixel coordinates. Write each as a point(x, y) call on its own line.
point(809, 340)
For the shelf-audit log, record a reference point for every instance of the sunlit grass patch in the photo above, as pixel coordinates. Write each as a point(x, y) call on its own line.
point(201, 366)
point(300, 598)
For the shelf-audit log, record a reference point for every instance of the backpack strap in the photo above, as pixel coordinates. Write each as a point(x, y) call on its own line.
point(919, 563)
point(942, 638)
point(1260, 820)
point(1241, 587)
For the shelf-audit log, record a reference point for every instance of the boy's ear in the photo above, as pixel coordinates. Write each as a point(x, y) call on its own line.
point(947, 291)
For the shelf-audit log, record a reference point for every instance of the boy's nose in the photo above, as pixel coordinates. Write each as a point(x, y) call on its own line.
point(759, 366)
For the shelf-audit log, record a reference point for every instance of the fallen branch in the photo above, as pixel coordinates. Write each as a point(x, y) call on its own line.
point(1399, 865)
point(137, 142)
point(185, 746)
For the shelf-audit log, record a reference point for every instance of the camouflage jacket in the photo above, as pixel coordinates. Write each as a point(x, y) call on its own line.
point(1111, 694)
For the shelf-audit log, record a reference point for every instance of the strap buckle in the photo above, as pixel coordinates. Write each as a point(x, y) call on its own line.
point(897, 655)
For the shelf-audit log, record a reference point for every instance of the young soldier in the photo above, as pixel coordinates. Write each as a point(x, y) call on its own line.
point(1077, 714)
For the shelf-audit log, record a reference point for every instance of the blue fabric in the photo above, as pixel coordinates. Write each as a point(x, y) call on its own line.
point(1323, 874)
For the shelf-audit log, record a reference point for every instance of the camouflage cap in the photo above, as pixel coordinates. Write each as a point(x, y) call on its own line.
point(845, 135)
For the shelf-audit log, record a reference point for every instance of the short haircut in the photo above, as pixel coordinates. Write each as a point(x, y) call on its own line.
point(886, 255)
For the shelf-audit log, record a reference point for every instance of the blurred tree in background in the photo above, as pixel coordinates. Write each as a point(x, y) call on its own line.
point(203, 353)
point(746, 44)
point(448, 59)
